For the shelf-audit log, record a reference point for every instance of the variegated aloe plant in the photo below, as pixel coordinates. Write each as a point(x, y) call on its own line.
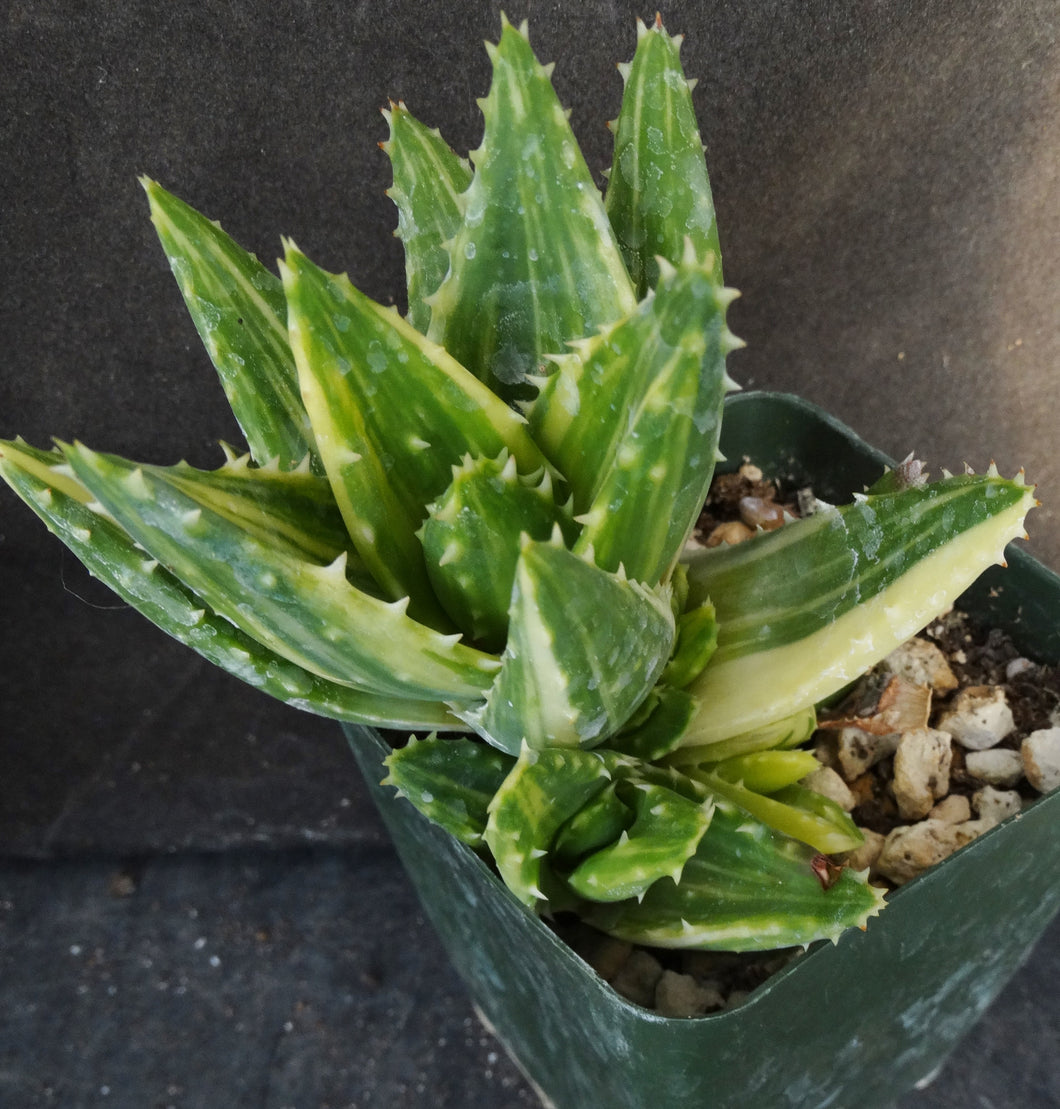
point(469, 522)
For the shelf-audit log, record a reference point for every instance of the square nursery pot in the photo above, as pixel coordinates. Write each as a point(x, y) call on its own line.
point(858, 1022)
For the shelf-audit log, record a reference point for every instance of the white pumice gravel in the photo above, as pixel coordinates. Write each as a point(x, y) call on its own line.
point(921, 795)
point(921, 771)
point(637, 978)
point(996, 766)
point(867, 855)
point(1040, 753)
point(979, 717)
point(910, 849)
point(995, 805)
point(829, 784)
point(858, 751)
point(954, 809)
point(680, 995)
point(922, 662)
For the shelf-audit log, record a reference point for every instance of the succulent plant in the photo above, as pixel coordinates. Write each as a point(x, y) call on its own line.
point(471, 523)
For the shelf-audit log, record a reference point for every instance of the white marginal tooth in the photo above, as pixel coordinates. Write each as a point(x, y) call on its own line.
point(337, 567)
point(730, 385)
point(666, 268)
point(946, 473)
point(451, 553)
point(136, 483)
point(991, 470)
point(968, 470)
point(399, 607)
point(730, 342)
point(583, 347)
point(623, 69)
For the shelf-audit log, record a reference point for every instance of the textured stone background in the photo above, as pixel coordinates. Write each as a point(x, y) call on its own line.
point(887, 177)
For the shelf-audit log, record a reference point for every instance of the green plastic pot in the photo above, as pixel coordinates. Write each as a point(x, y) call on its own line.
point(858, 1022)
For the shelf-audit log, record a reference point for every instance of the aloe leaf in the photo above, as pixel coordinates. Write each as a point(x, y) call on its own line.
point(804, 610)
point(450, 781)
point(239, 310)
point(664, 835)
point(632, 419)
point(596, 824)
point(535, 262)
point(658, 190)
point(785, 733)
point(672, 710)
point(43, 480)
point(765, 771)
point(801, 814)
point(428, 181)
point(301, 610)
point(293, 508)
point(471, 540)
point(393, 414)
point(799, 797)
point(747, 888)
point(697, 640)
point(542, 792)
point(584, 649)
